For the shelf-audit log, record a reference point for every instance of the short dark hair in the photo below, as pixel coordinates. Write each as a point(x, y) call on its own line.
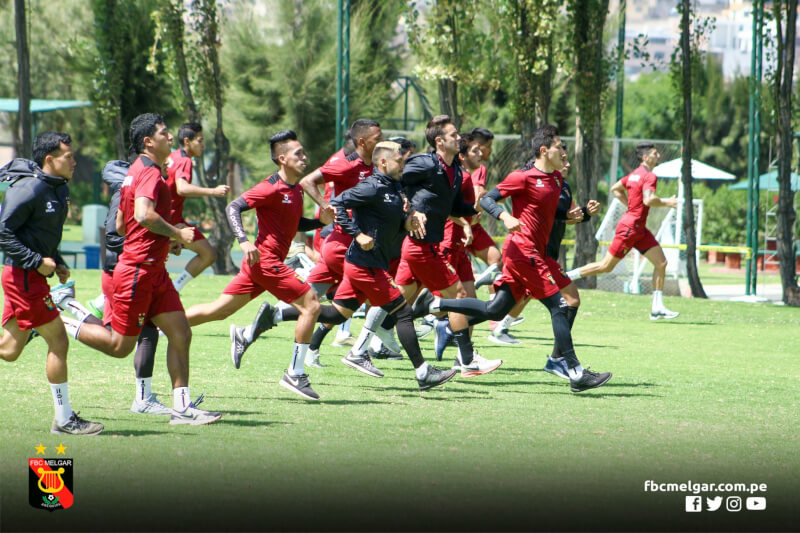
point(642, 149)
point(349, 144)
point(143, 126)
point(406, 145)
point(466, 140)
point(188, 130)
point(360, 128)
point(543, 136)
point(47, 143)
point(277, 141)
point(435, 128)
point(482, 135)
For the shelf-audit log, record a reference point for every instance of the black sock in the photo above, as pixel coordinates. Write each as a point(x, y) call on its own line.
point(572, 312)
point(407, 335)
point(464, 345)
point(318, 336)
point(561, 329)
point(145, 356)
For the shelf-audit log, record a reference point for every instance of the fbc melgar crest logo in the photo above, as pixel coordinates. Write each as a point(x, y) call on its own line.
point(50, 483)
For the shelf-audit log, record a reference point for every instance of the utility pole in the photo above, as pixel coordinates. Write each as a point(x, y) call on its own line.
point(613, 171)
point(753, 147)
point(343, 72)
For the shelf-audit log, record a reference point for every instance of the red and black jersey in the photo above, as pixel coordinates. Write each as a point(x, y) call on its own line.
point(636, 183)
point(179, 166)
point(279, 208)
point(534, 196)
point(144, 181)
point(453, 233)
point(479, 176)
point(344, 171)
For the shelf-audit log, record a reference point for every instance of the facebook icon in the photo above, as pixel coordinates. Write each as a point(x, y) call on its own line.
point(694, 504)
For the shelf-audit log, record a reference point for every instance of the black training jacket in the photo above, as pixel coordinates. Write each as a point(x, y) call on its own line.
point(429, 192)
point(114, 174)
point(32, 220)
point(377, 207)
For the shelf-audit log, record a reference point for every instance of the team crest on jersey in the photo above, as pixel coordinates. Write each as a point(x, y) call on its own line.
point(48, 303)
point(140, 320)
point(286, 199)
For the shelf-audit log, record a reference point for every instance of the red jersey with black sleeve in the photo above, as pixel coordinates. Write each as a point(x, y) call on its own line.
point(453, 233)
point(179, 166)
point(534, 196)
point(479, 176)
point(636, 183)
point(144, 181)
point(279, 207)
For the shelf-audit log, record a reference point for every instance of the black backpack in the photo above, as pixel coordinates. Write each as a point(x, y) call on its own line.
point(17, 169)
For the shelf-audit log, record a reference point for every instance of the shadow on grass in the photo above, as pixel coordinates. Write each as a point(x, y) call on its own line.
point(116, 432)
point(254, 423)
point(686, 323)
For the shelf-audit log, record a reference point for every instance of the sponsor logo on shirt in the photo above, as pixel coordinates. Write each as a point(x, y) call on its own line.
point(286, 199)
point(50, 208)
point(362, 175)
point(386, 198)
point(127, 181)
point(539, 182)
point(634, 177)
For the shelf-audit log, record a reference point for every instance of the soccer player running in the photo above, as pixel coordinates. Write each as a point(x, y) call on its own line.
point(143, 292)
point(534, 192)
point(278, 202)
point(433, 185)
point(637, 190)
point(179, 181)
point(378, 219)
point(31, 223)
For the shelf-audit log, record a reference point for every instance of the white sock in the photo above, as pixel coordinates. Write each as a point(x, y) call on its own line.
point(434, 307)
point(181, 281)
point(574, 274)
point(422, 370)
point(144, 388)
point(61, 402)
point(658, 302)
point(575, 373)
point(181, 398)
point(298, 358)
point(279, 307)
point(77, 309)
point(99, 302)
point(492, 295)
point(248, 333)
point(72, 326)
point(365, 338)
point(556, 360)
point(344, 327)
point(506, 322)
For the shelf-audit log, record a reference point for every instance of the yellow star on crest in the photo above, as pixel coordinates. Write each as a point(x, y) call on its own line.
point(40, 449)
point(61, 449)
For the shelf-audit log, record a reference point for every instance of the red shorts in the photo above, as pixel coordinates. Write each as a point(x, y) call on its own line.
point(198, 236)
point(330, 268)
point(107, 286)
point(481, 240)
point(140, 293)
point(393, 264)
point(423, 262)
point(27, 298)
point(537, 275)
point(271, 275)
point(316, 243)
point(460, 261)
point(365, 283)
point(627, 237)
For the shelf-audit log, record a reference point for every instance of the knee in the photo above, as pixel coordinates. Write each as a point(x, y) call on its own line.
point(11, 356)
point(661, 264)
point(311, 308)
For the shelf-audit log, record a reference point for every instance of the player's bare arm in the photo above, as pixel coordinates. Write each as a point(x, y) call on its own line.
point(650, 199)
point(620, 192)
point(311, 184)
point(145, 214)
point(185, 188)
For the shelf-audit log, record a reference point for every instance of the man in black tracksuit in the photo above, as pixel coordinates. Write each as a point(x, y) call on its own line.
point(433, 186)
point(377, 220)
point(31, 223)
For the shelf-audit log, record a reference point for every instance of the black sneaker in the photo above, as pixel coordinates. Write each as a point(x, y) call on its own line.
point(265, 317)
point(362, 363)
point(384, 353)
point(77, 426)
point(436, 376)
point(238, 345)
point(589, 380)
point(299, 385)
point(422, 303)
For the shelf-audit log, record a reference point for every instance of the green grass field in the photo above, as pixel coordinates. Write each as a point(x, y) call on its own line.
point(709, 397)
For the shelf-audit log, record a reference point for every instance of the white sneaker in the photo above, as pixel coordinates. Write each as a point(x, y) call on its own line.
point(312, 359)
point(194, 416)
point(343, 338)
point(150, 406)
point(663, 314)
point(479, 366)
point(60, 293)
point(502, 336)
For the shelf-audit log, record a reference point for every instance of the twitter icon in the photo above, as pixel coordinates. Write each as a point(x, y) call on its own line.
point(712, 504)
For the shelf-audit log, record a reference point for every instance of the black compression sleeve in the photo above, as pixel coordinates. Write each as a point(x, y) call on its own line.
point(489, 203)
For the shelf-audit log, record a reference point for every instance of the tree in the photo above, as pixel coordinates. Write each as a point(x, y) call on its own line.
point(683, 77)
point(24, 78)
point(785, 14)
point(591, 82)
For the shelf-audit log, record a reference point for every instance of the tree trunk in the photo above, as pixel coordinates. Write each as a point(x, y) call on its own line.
point(786, 212)
point(448, 100)
point(23, 79)
point(686, 168)
point(588, 21)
